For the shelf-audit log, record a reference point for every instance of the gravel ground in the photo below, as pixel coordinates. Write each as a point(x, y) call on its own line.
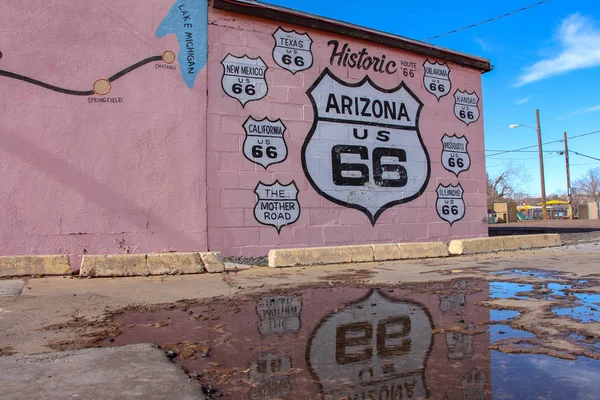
point(580, 237)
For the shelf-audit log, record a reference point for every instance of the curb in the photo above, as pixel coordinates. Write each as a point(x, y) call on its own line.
point(111, 265)
point(114, 265)
point(363, 253)
point(503, 243)
point(57, 264)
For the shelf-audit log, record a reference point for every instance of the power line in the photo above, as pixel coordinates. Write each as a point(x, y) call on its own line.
point(583, 155)
point(518, 150)
point(488, 20)
point(583, 134)
point(528, 151)
point(535, 145)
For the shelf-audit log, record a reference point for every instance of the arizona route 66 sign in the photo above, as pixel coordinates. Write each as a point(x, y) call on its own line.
point(277, 204)
point(264, 143)
point(450, 205)
point(375, 348)
point(364, 149)
point(437, 78)
point(466, 106)
point(244, 78)
point(292, 50)
point(455, 157)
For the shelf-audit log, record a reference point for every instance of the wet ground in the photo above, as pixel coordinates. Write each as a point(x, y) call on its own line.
point(513, 334)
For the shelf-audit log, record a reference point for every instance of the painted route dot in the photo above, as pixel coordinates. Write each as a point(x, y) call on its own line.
point(168, 57)
point(102, 87)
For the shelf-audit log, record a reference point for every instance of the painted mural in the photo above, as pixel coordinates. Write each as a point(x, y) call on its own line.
point(186, 19)
point(362, 150)
point(107, 115)
point(195, 128)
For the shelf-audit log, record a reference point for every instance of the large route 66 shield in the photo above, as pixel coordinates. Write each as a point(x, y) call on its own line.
point(364, 149)
point(450, 205)
point(466, 106)
point(292, 50)
point(264, 143)
point(375, 348)
point(437, 78)
point(455, 157)
point(277, 205)
point(244, 78)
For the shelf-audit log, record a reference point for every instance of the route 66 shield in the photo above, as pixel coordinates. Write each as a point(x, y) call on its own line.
point(437, 78)
point(277, 205)
point(455, 157)
point(264, 143)
point(466, 106)
point(450, 205)
point(292, 50)
point(244, 78)
point(364, 149)
point(371, 348)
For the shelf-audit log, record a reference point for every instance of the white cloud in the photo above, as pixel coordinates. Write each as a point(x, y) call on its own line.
point(587, 109)
point(484, 45)
point(580, 48)
point(593, 108)
point(523, 100)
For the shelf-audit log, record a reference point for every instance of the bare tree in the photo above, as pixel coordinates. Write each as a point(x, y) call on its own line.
point(507, 184)
point(587, 188)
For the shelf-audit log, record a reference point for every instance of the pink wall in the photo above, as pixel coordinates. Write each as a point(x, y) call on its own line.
point(232, 177)
point(81, 176)
point(154, 165)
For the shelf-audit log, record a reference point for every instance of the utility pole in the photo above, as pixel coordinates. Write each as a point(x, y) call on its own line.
point(568, 178)
point(539, 135)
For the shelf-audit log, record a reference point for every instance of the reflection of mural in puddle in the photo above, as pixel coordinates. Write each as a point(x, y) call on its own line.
point(376, 345)
point(341, 343)
point(279, 314)
point(270, 373)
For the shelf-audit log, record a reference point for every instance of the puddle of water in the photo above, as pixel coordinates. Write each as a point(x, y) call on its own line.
point(525, 376)
point(346, 343)
point(534, 273)
point(502, 315)
point(583, 310)
point(584, 306)
point(501, 332)
point(509, 290)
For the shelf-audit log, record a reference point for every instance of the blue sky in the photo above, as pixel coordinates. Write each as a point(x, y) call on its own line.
point(547, 57)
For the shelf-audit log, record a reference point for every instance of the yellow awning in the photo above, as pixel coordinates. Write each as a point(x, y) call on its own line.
point(554, 202)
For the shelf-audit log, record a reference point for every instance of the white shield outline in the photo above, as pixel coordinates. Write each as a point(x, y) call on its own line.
point(365, 80)
point(448, 198)
point(265, 382)
point(372, 298)
point(466, 152)
point(280, 29)
point(432, 64)
point(274, 137)
point(266, 67)
point(258, 199)
point(258, 307)
point(456, 105)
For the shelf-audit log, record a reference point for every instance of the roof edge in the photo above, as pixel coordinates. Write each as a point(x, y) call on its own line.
point(282, 14)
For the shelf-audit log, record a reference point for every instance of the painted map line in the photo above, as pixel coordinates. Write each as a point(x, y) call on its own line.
point(101, 86)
